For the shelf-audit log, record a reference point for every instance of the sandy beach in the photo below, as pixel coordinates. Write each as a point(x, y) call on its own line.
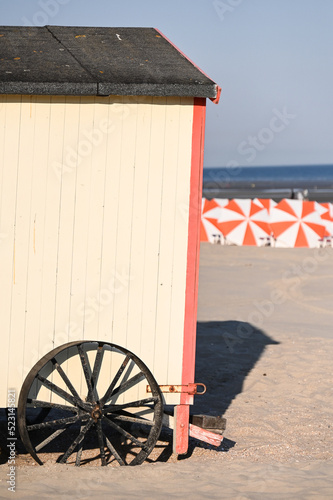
point(264, 351)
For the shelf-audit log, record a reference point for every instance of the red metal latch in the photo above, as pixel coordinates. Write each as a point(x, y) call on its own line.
point(176, 389)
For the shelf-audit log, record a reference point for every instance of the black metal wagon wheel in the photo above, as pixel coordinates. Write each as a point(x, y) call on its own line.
point(89, 395)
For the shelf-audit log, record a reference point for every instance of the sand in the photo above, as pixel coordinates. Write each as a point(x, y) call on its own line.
point(264, 350)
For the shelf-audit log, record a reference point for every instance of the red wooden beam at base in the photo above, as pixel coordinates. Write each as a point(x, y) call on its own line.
point(204, 435)
point(181, 429)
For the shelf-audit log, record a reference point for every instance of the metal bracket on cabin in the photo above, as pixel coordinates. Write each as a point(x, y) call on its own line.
point(176, 389)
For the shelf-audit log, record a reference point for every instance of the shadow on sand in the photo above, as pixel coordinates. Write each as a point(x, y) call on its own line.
point(226, 353)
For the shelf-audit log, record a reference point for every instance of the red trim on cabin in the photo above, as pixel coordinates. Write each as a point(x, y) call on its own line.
point(216, 99)
point(193, 248)
point(218, 95)
point(181, 429)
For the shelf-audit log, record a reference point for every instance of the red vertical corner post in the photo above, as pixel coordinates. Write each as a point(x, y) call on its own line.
point(182, 411)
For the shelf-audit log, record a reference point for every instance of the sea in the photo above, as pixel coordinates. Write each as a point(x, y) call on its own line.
point(308, 182)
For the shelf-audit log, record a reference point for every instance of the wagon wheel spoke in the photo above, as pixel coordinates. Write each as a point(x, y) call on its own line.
point(76, 441)
point(65, 379)
point(97, 369)
point(114, 452)
point(109, 391)
point(101, 441)
point(79, 452)
point(70, 424)
point(127, 417)
point(78, 456)
point(67, 397)
point(53, 423)
point(132, 404)
point(128, 384)
point(86, 370)
point(124, 433)
point(35, 403)
point(48, 440)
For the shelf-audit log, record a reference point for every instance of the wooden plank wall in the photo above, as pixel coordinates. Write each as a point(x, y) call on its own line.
point(93, 228)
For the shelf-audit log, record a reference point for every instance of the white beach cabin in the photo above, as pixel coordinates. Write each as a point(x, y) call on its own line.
point(101, 156)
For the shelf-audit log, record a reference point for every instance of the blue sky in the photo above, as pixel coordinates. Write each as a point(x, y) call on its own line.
point(272, 58)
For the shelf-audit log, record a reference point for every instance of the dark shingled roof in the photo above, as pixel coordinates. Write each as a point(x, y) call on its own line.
point(67, 60)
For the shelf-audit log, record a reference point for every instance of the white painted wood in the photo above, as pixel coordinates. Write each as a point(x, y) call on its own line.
point(94, 194)
point(167, 241)
point(123, 238)
point(50, 192)
point(140, 234)
point(110, 283)
point(10, 127)
point(34, 293)
point(94, 286)
point(103, 300)
point(63, 172)
point(151, 253)
point(182, 195)
point(23, 231)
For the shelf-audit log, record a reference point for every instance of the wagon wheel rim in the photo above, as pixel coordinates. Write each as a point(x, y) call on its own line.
point(124, 428)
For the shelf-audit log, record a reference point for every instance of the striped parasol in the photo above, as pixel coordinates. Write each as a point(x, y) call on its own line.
point(296, 223)
point(210, 213)
point(266, 203)
point(244, 222)
point(326, 215)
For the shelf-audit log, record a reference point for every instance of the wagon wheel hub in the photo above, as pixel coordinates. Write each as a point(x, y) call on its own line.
point(96, 413)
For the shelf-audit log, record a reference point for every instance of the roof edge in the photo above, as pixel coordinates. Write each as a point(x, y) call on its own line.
point(158, 90)
point(104, 89)
point(215, 99)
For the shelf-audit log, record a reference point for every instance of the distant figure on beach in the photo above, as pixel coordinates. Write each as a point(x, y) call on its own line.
point(299, 194)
